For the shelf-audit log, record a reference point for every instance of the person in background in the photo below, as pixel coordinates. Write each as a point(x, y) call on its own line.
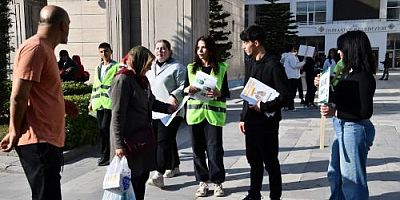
point(351, 109)
point(300, 84)
point(68, 68)
point(387, 63)
point(37, 106)
point(299, 87)
point(206, 118)
point(261, 130)
point(167, 78)
point(330, 61)
point(292, 68)
point(132, 103)
point(82, 75)
point(311, 69)
point(100, 100)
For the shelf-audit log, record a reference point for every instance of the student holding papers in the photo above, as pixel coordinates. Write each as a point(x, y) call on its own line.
point(206, 116)
point(292, 66)
point(166, 77)
point(259, 122)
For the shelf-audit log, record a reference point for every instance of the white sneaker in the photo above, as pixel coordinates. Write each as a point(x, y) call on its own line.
point(156, 180)
point(202, 190)
point(171, 173)
point(218, 190)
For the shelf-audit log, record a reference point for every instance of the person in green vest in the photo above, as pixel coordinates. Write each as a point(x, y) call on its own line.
point(207, 116)
point(100, 100)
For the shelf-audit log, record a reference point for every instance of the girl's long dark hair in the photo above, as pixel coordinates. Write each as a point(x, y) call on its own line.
point(330, 57)
point(213, 57)
point(357, 51)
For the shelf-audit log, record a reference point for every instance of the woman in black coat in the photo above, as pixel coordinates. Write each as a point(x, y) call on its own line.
point(132, 103)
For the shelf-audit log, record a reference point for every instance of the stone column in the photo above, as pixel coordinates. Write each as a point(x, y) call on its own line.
point(114, 26)
point(179, 21)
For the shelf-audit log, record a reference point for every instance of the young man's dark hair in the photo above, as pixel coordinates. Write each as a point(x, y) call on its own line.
point(260, 123)
point(253, 33)
point(63, 53)
point(104, 45)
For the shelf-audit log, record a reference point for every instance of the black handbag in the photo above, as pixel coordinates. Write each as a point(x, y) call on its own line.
point(141, 142)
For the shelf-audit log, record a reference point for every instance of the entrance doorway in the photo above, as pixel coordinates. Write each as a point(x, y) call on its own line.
point(393, 47)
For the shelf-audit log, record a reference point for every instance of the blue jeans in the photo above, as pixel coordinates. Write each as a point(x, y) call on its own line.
point(347, 168)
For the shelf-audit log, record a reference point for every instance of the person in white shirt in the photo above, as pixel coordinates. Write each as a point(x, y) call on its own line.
point(292, 66)
point(167, 77)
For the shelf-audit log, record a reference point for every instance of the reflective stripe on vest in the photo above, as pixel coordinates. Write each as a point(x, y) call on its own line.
point(213, 111)
point(100, 98)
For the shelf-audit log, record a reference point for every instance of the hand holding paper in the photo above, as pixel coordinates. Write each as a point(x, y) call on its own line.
point(255, 92)
point(205, 85)
point(168, 119)
point(307, 51)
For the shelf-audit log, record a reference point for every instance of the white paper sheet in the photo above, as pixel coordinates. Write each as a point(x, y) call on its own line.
point(204, 83)
point(168, 118)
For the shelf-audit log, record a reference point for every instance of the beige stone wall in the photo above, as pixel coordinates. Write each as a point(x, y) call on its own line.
point(87, 29)
point(179, 21)
point(143, 22)
point(235, 25)
point(24, 15)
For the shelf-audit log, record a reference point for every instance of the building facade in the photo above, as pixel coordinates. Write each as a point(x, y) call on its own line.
point(127, 23)
point(321, 22)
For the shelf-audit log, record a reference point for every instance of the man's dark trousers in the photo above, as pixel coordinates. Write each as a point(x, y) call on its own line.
point(42, 166)
point(104, 120)
point(262, 148)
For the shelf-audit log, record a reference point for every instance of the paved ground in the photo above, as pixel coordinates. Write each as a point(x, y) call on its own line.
point(303, 163)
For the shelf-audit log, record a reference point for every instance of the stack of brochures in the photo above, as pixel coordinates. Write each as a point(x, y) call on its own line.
point(255, 91)
point(204, 82)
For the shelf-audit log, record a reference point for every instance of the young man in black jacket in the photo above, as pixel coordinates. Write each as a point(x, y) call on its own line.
point(260, 130)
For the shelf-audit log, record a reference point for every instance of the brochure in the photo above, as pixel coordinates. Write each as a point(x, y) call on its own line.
point(255, 91)
point(305, 50)
point(204, 83)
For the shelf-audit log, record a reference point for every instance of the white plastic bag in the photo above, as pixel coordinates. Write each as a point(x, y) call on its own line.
point(117, 181)
point(118, 175)
point(115, 194)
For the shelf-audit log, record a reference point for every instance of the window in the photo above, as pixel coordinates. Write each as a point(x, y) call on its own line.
point(311, 12)
point(393, 10)
point(355, 9)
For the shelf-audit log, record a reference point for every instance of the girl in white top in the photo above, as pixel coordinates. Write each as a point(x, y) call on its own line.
point(330, 60)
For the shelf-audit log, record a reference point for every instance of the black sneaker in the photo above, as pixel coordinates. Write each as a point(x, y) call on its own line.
point(103, 162)
point(252, 197)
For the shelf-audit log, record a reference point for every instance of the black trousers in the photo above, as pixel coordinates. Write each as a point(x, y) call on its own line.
point(311, 89)
point(385, 74)
point(167, 149)
point(208, 138)
point(293, 83)
point(103, 121)
point(42, 166)
point(262, 148)
point(139, 185)
point(300, 88)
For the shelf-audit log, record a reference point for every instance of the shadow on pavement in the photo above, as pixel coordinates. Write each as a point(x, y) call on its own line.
point(386, 196)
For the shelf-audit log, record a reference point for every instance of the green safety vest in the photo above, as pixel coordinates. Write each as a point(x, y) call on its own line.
point(100, 98)
point(214, 111)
